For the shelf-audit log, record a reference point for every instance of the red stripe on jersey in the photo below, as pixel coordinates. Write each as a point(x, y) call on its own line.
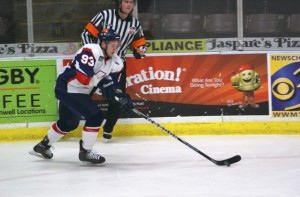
point(82, 78)
point(91, 129)
point(73, 78)
point(57, 130)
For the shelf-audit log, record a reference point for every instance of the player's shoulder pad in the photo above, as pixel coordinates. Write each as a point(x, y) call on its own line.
point(95, 49)
point(117, 63)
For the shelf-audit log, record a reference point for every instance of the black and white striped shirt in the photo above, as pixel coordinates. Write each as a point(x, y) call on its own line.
point(129, 29)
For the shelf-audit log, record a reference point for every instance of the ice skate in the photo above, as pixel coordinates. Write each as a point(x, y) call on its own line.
point(42, 149)
point(87, 156)
point(107, 136)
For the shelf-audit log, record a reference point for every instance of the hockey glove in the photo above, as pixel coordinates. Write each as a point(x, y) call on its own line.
point(125, 101)
point(107, 88)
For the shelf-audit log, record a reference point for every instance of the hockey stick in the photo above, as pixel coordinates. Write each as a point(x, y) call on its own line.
point(93, 91)
point(227, 162)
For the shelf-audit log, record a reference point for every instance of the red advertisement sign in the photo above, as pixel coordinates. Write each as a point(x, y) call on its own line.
point(196, 85)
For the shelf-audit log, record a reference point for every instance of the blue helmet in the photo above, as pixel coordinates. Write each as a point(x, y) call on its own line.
point(109, 35)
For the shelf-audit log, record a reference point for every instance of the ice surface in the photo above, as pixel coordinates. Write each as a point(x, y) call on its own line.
point(158, 167)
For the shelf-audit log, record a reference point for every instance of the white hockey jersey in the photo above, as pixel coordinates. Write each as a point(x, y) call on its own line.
point(89, 67)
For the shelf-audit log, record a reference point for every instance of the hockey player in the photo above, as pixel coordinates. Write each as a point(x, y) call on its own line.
point(93, 65)
point(131, 34)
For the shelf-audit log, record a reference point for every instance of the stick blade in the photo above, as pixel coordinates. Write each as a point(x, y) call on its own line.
point(228, 162)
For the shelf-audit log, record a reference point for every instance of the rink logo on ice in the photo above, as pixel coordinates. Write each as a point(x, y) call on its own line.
point(156, 75)
point(285, 85)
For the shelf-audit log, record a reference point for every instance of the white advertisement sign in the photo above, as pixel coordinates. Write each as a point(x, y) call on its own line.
point(38, 49)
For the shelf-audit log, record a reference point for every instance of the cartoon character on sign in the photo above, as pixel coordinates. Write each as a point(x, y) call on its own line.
point(246, 81)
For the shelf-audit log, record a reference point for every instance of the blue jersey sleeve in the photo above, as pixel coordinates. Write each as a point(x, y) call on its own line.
point(84, 63)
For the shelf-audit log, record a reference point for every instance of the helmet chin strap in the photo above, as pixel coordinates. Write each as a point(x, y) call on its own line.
point(105, 52)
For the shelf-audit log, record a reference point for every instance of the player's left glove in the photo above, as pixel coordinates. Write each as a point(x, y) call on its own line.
point(107, 88)
point(125, 101)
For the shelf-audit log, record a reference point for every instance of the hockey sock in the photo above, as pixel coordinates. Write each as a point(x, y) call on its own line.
point(54, 134)
point(89, 137)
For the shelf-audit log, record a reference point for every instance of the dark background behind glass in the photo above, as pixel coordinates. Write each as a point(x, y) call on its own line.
point(63, 21)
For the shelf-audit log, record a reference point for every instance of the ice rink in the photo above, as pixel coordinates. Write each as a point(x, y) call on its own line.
point(157, 167)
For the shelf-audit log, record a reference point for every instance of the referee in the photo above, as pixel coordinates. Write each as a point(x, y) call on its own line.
point(132, 36)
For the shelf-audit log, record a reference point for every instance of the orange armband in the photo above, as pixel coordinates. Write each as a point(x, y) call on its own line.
point(92, 29)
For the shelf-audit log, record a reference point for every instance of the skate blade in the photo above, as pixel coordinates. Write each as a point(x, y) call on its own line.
point(89, 164)
point(106, 140)
point(36, 154)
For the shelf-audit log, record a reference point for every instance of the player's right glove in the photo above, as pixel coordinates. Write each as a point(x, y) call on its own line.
point(125, 101)
point(107, 88)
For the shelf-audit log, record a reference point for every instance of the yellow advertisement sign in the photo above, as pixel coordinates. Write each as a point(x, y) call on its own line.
point(285, 85)
point(176, 45)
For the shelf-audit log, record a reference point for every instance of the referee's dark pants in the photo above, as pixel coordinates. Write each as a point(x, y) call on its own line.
point(114, 110)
